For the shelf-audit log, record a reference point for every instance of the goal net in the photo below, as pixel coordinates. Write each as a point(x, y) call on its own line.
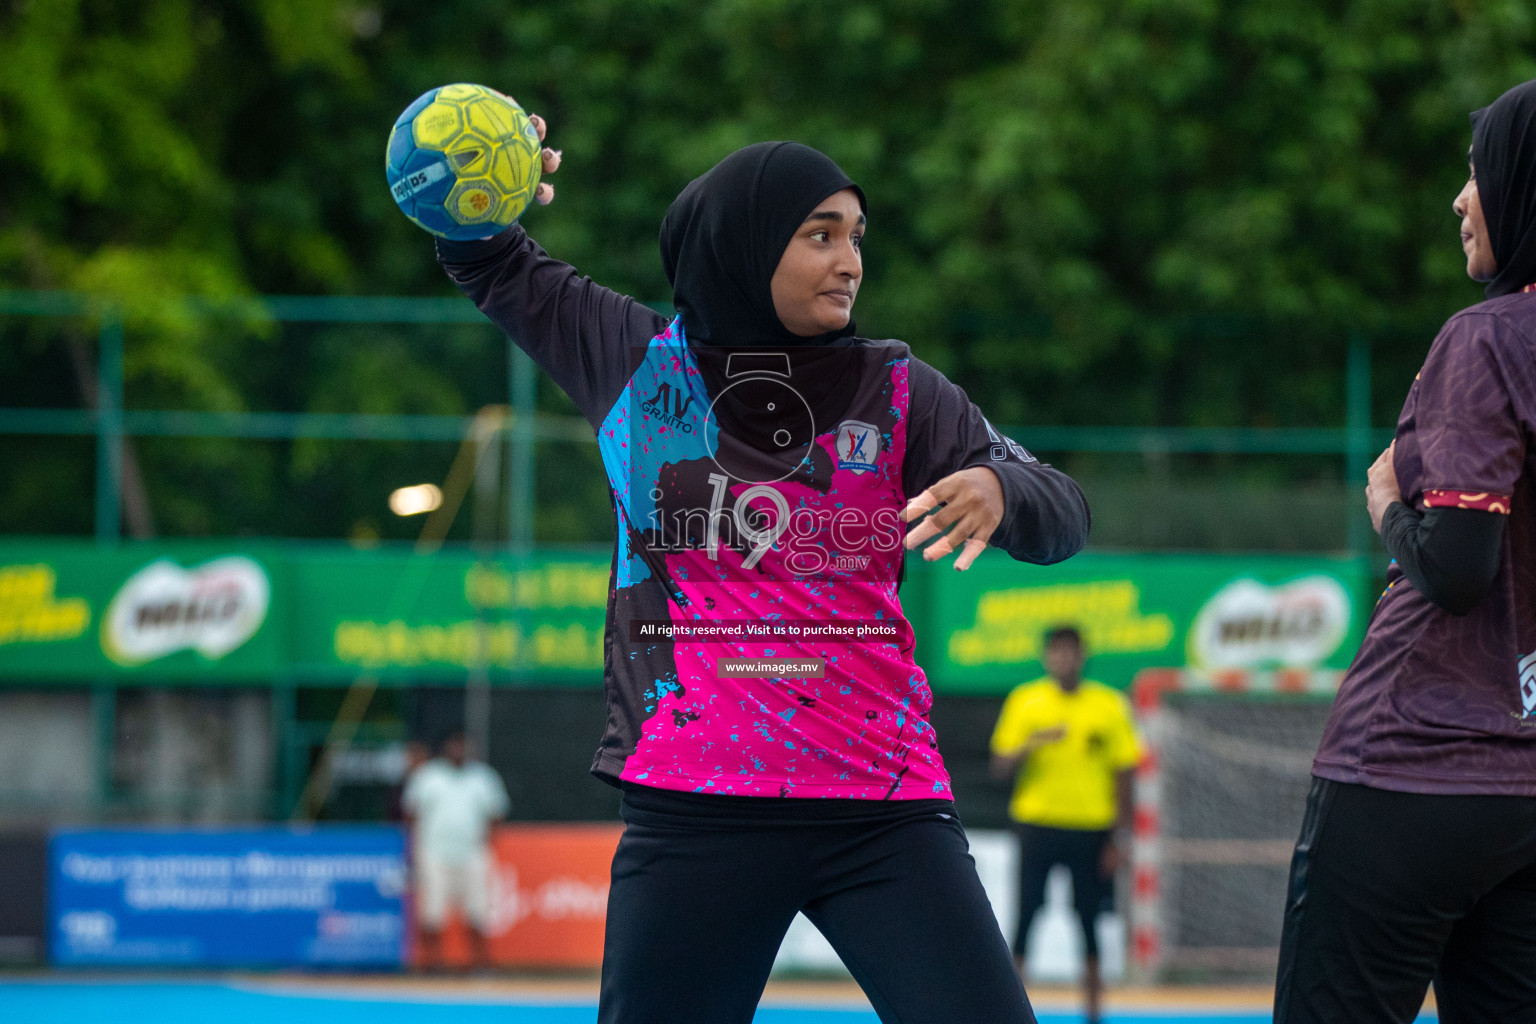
point(1220, 799)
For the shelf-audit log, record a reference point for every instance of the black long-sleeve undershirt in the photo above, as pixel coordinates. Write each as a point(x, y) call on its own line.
point(587, 338)
point(1450, 555)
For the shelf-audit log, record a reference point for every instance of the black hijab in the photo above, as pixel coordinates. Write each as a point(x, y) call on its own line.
point(723, 236)
point(1504, 160)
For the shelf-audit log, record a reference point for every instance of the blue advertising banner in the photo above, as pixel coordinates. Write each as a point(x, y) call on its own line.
point(330, 896)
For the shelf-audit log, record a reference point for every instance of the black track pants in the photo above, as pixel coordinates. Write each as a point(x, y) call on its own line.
point(1390, 891)
point(699, 906)
point(1080, 850)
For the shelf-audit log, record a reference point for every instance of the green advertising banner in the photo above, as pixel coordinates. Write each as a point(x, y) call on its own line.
point(212, 613)
point(231, 612)
point(982, 628)
point(74, 610)
point(450, 614)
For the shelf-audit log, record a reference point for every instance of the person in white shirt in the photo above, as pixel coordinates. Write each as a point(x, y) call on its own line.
point(450, 804)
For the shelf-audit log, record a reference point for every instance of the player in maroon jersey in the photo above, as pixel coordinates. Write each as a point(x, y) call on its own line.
point(1417, 857)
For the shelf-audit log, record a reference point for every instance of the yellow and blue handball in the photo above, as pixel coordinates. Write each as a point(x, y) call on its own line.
point(463, 161)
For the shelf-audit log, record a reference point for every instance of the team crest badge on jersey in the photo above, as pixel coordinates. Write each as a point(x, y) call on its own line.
point(858, 445)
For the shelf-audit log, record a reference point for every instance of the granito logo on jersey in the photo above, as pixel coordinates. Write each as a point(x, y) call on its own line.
point(1526, 667)
point(858, 445)
point(670, 406)
point(1002, 445)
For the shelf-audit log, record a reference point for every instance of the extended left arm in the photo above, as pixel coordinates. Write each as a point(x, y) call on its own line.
point(991, 490)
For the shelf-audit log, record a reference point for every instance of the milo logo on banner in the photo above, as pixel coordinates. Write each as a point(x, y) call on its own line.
point(1247, 624)
point(163, 608)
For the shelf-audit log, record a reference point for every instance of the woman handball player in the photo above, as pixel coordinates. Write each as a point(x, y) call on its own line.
point(769, 468)
point(1416, 862)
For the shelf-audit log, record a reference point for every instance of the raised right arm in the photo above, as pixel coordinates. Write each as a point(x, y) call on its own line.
point(584, 336)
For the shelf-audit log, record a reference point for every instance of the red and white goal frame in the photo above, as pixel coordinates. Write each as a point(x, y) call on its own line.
point(1148, 950)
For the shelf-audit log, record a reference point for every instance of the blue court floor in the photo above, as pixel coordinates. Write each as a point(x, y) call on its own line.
point(55, 1000)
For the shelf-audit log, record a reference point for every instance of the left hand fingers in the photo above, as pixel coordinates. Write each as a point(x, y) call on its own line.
point(965, 535)
point(937, 522)
point(921, 505)
point(966, 515)
point(961, 530)
point(1383, 464)
point(922, 533)
point(973, 548)
point(930, 501)
point(950, 518)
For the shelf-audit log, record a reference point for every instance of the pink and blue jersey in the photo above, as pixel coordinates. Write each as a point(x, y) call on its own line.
point(756, 644)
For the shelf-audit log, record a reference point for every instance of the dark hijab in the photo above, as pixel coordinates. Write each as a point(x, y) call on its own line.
point(723, 236)
point(1504, 160)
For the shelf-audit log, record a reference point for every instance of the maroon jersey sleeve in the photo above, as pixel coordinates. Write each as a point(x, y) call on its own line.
point(1470, 438)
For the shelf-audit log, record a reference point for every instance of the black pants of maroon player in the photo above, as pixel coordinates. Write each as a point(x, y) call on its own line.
point(1392, 892)
point(704, 889)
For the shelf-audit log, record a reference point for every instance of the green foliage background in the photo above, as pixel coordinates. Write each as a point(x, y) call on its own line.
point(1141, 212)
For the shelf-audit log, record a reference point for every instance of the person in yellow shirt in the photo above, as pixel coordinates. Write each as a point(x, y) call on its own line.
point(1071, 748)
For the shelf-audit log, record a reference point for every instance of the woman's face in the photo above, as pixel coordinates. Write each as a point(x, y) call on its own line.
point(818, 276)
point(1481, 266)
